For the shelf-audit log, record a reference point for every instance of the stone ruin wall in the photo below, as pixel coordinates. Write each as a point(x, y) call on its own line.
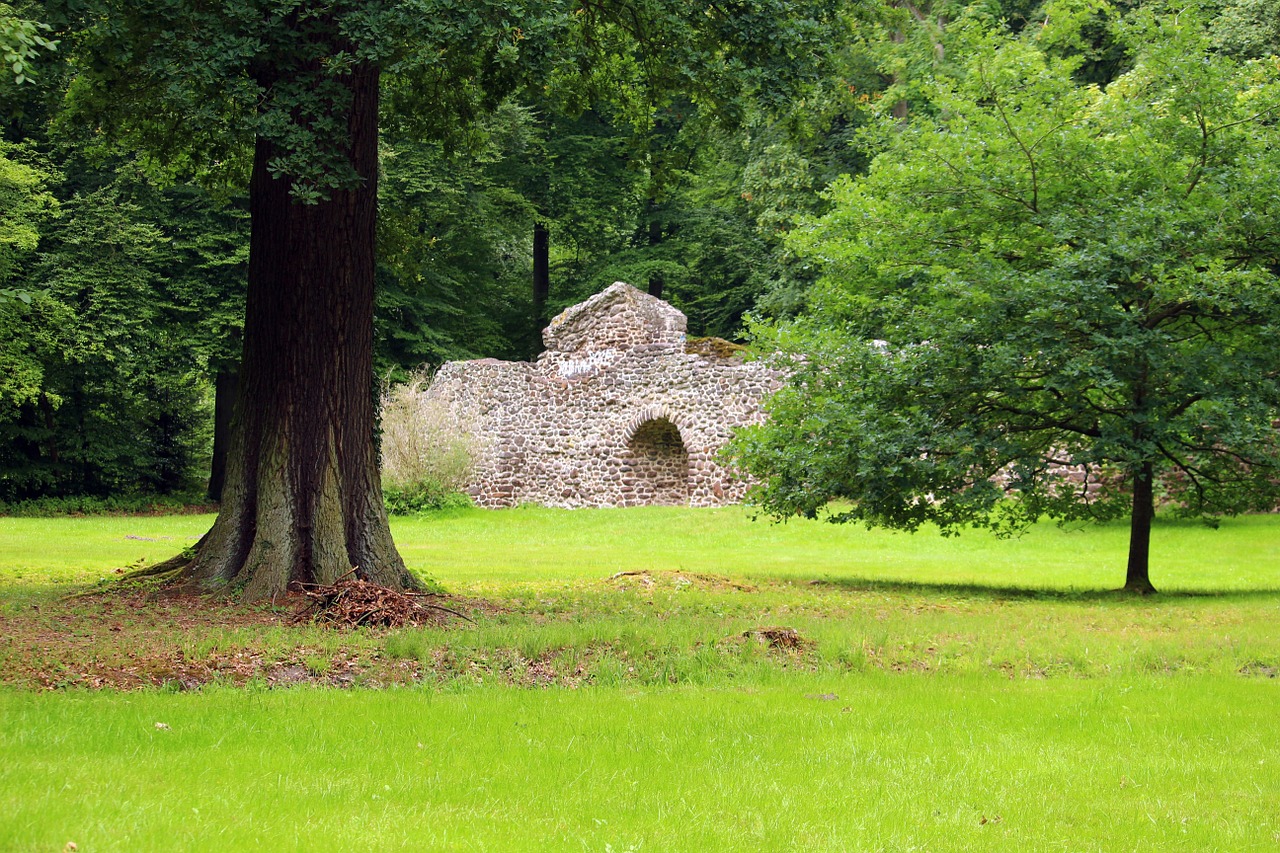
point(614, 413)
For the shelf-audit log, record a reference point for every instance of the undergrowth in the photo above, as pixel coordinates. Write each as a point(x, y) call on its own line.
point(82, 505)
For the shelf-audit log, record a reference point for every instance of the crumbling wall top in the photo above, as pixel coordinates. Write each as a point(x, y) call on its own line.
point(620, 317)
point(616, 412)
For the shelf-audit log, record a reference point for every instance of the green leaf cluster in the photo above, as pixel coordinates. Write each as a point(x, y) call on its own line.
point(25, 204)
point(21, 42)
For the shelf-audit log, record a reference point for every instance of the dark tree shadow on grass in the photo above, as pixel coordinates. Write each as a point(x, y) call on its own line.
point(997, 592)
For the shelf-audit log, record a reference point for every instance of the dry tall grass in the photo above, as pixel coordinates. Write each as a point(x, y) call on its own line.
point(425, 446)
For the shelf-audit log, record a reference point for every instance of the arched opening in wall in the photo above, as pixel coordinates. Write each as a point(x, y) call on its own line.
point(655, 466)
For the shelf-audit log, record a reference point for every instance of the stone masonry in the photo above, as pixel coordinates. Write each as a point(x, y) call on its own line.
point(615, 412)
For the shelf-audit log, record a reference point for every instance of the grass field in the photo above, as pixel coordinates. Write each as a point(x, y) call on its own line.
point(891, 764)
point(535, 544)
point(940, 694)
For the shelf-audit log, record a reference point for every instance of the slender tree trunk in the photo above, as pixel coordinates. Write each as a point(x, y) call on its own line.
point(900, 106)
point(1136, 578)
point(51, 427)
point(302, 499)
point(225, 390)
point(541, 281)
point(170, 461)
point(656, 281)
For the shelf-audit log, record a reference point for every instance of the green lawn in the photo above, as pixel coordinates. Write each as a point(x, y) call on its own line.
point(536, 544)
point(888, 764)
point(950, 694)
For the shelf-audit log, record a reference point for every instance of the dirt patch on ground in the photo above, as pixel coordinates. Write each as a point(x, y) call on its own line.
point(1258, 669)
point(129, 639)
point(677, 579)
point(160, 612)
point(715, 348)
point(172, 669)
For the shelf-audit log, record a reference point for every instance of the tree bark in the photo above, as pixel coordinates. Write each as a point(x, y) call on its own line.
point(1143, 513)
point(900, 106)
point(302, 499)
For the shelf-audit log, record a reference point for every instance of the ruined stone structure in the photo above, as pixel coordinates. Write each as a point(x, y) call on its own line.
point(616, 412)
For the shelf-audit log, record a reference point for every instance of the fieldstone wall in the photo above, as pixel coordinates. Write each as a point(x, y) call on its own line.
point(614, 413)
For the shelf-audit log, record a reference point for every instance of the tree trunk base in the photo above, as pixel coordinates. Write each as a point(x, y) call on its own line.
point(269, 565)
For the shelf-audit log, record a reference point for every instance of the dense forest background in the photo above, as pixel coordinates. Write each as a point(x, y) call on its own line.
point(122, 277)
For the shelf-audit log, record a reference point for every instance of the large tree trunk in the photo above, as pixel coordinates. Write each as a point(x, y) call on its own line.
point(1143, 513)
point(302, 499)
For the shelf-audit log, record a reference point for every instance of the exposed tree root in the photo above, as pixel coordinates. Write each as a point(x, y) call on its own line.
point(172, 566)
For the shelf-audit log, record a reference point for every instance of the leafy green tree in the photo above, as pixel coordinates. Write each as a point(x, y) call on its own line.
point(1036, 273)
point(711, 198)
point(193, 282)
point(1248, 28)
point(200, 286)
point(103, 408)
point(132, 295)
point(24, 204)
point(452, 255)
point(577, 177)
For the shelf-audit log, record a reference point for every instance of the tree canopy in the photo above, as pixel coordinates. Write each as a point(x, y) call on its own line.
point(1039, 278)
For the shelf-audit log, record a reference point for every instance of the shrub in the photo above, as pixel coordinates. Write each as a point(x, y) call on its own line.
point(423, 497)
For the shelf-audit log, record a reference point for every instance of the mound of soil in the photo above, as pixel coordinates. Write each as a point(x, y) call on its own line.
point(715, 348)
point(779, 638)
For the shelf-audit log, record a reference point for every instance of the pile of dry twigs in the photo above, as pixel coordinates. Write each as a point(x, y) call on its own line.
point(351, 603)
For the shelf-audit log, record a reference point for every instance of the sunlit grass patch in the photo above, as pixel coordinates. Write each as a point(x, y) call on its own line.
point(533, 543)
point(809, 762)
point(487, 547)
